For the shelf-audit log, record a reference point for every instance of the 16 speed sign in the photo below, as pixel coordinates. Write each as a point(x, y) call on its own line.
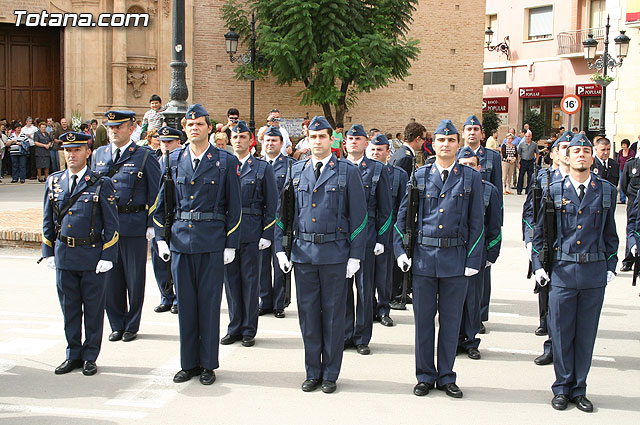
point(571, 104)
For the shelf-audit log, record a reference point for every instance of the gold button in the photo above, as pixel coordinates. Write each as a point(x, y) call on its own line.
point(191, 211)
point(333, 189)
point(68, 225)
point(441, 210)
point(70, 212)
point(313, 205)
point(193, 183)
point(564, 210)
point(315, 190)
point(579, 226)
point(191, 197)
point(428, 196)
point(313, 219)
point(93, 246)
point(115, 181)
point(440, 226)
point(190, 225)
point(578, 242)
point(211, 181)
point(442, 196)
point(580, 212)
point(556, 248)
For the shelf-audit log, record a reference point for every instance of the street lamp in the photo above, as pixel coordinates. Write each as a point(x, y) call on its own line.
point(231, 41)
point(605, 62)
point(502, 47)
point(178, 90)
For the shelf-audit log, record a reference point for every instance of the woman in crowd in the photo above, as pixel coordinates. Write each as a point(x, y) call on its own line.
point(508, 163)
point(3, 143)
point(624, 155)
point(18, 154)
point(302, 151)
point(42, 144)
point(492, 141)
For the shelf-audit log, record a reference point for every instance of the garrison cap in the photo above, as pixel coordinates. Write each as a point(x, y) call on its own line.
point(380, 140)
point(580, 140)
point(319, 123)
point(466, 152)
point(274, 131)
point(167, 134)
point(71, 139)
point(566, 137)
point(241, 127)
point(196, 111)
point(118, 117)
point(446, 127)
point(357, 130)
point(472, 120)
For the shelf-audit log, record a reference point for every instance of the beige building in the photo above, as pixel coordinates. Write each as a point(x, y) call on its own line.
point(56, 71)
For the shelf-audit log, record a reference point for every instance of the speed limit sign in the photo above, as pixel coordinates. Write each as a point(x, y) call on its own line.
point(571, 104)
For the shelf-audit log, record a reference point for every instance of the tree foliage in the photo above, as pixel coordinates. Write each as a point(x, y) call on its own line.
point(337, 48)
point(490, 122)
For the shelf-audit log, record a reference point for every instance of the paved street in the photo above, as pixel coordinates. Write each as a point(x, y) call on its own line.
point(261, 384)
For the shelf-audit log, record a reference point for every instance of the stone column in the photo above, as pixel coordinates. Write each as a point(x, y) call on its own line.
point(119, 63)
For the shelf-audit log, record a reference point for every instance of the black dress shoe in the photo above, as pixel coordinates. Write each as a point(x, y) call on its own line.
point(207, 377)
point(115, 335)
point(248, 341)
point(162, 308)
point(310, 385)
point(129, 336)
point(174, 309)
point(482, 329)
point(397, 305)
point(544, 359)
point(263, 311)
point(328, 387)
point(67, 366)
point(89, 368)
point(230, 339)
point(279, 314)
point(185, 375)
point(451, 389)
point(386, 321)
point(348, 344)
point(560, 402)
point(541, 331)
point(626, 268)
point(422, 389)
point(362, 349)
point(474, 354)
point(583, 403)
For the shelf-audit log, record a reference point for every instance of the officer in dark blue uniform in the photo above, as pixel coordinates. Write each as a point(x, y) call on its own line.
point(492, 211)
point(259, 201)
point(329, 242)
point(204, 236)
point(448, 250)
point(386, 270)
point(135, 174)
point(584, 261)
point(169, 139)
point(80, 241)
point(272, 293)
point(359, 326)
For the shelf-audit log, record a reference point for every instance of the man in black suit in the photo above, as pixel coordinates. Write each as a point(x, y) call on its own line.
point(414, 136)
point(605, 167)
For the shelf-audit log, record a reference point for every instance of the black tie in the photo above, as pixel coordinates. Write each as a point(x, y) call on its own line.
point(74, 177)
point(581, 194)
point(195, 164)
point(445, 174)
point(318, 168)
point(117, 155)
point(271, 162)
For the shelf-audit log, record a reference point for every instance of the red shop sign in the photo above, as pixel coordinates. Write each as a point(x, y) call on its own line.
point(588, 90)
point(499, 105)
point(537, 92)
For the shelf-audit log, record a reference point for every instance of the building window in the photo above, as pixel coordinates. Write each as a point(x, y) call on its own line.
point(597, 13)
point(540, 23)
point(492, 22)
point(495, 77)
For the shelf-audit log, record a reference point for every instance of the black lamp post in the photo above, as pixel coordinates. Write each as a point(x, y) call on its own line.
point(604, 62)
point(231, 41)
point(178, 91)
point(502, 47)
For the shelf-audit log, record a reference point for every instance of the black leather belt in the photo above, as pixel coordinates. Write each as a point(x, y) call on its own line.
point(72, 242)
point(581, 258)
point(320, 237)
point(200, 216)
point(252, 211)
point(131, 208)
point(440, 242)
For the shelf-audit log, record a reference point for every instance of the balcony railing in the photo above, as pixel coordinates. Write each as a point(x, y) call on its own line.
point(570, 42)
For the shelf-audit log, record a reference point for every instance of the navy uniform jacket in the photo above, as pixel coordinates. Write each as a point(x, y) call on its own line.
point(528, 219)
point(448, 211)
point(77, 222)
point(492, 220)
point(403, 158)
point(132, 224)
point(280, 167)
point(379, 214)
point(491, 162)
point(398, 179)
point(630, 178)
point(208, 190)
point(581, 227)
point(259, 201)
point(610, 171)
point(322, 207)
point(633, 224)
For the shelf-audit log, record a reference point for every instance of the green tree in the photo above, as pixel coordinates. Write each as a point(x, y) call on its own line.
point(536, 124)
point(336, 48)
point(490, 122)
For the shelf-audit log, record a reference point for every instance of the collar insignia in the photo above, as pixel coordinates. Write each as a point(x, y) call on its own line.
point(238, 169)
point(364, 164)
point(209, 155)
point(86, 178)
point(331, 163)
point(565, 201)
point(131, 149)
point(593, 184)
point(595, 171)
point(455, 170)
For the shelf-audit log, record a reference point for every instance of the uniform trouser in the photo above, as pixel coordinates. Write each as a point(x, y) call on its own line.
point(163, 275)
point(320, 292)
point(543, 317)
point(396, 286)
point(470, 323)
point(383, 281)
point(628, 258)
point(82, 293)
point(125, 283)
point(271, 295)
point(242, 290)
point(198, 280)
point(358, 325)
point(573, 323)
point(486, 295)
point(444, 296)
point(526, 167)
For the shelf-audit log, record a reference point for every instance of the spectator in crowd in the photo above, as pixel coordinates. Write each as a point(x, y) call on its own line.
point(50, 126)
point(509, 157)
point(100, 138)
point(233, 115)
point(396, 143)
point(492, 141)
point(273, 119)
point(337, 146)
point(137, 132)
point(93, 127)
point(221, 142)
point(152, 141)
point(625, 154)
point(28, 131)
point(17, 144)
point(302, 151)
point(64, 127)
point(3, 146)
point(42, 144)
point(153, 119)
point(85, 128)
point(527, 154)
point(515, 139)
point(427, 147)
point(575, 130)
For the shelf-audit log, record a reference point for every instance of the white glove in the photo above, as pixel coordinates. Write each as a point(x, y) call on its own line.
point(470, 272)
point(229, 255)
point(150, 233)
point(404, 262)
point(353, 265)
point(634, 250)
point(50, 262)
point(378, 249)
point(489, 264)
point(541, 275)
point(283, 261)
point(529, 250)
point(264, 244)
point(610, 276)
point(163, 251)
point(103, 266)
